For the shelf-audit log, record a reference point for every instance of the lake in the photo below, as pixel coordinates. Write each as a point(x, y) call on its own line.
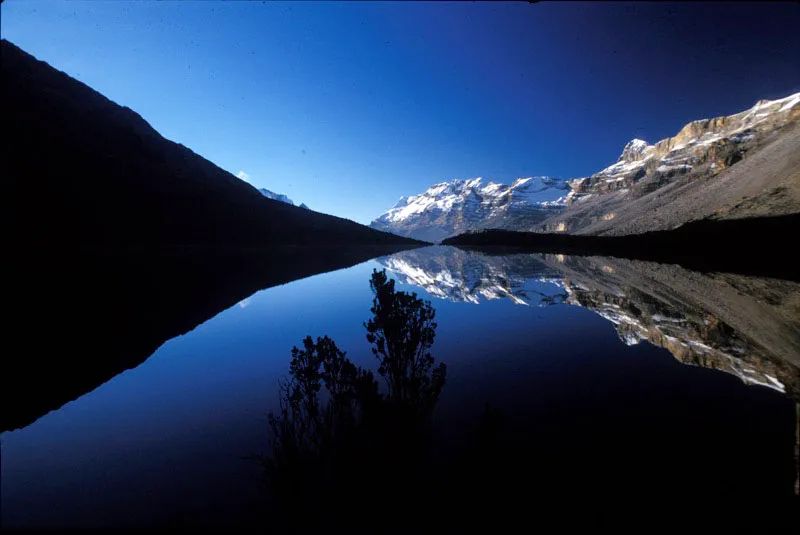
point(653, 377)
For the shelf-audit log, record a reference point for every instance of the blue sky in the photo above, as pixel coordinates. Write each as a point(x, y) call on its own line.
point(348, 106)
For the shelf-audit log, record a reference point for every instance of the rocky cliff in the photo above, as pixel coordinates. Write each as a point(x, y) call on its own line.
point(741, 165)
point(732, 166)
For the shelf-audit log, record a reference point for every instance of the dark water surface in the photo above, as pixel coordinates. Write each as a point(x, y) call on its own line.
point(616, 374)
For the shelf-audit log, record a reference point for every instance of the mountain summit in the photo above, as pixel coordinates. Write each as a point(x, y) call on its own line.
point(692, 175)
point(279, 197)
point(450, 208)
point(740, 165)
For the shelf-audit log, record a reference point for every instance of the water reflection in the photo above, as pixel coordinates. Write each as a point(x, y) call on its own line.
point(741, 325)
point(590, 420)
point(534, 453)
point(335, 426)
point(746, 326)
point(77, 320)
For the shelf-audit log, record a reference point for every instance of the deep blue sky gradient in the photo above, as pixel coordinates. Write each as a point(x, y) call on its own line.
point(348, 106)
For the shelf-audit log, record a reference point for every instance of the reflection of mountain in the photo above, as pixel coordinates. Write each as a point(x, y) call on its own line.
point(742, 325)
point(74, 323)
point(456, 275)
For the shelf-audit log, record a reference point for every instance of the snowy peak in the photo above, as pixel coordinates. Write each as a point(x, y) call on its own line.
point(633, 150)
point(448, 208)
point(701, 149)
point(275, 196)
point(704, 147)
point(280, 197)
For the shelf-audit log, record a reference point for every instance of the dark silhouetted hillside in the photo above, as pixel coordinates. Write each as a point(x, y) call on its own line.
point(76, 321)
point(80, 170)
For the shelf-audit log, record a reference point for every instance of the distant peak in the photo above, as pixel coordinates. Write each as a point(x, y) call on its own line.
point(786, 103)
point(545, 180)
point(633, 150)
point(275, 196)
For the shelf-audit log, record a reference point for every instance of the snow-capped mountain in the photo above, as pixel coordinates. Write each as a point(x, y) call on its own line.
point(692, 175)
point(450, 208)
point(660, 186)
point(279, 197)
point(679, 154)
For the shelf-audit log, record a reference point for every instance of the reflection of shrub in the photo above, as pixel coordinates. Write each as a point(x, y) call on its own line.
point(306, 430)
point(351, 441)
point(402, 331)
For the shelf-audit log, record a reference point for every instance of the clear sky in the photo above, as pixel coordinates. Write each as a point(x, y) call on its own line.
point(348, 106)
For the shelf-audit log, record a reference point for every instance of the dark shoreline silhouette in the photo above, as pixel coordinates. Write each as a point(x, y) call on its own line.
point(760, 246)
point(77, 321)
point(118, 239)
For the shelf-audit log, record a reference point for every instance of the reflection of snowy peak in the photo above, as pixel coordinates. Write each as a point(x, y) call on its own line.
point(449, 208)
point(455, 275)
point(750, 339)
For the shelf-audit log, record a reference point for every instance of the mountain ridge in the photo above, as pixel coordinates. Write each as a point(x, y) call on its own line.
point(703, 171)
point(456, 206)
point(740, 165)
point(83, 171)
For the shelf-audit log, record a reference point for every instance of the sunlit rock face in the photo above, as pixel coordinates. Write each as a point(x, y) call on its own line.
point(701, 150)
point(450, 208)
point(740, 325)
point(700, 172)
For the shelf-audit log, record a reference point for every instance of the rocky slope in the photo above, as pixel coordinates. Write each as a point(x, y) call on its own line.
point(78, 170)
point(740, 165)
point(450, 208)
point(746, 326)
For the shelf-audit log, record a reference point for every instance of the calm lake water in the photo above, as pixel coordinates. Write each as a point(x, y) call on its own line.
point(700, 370)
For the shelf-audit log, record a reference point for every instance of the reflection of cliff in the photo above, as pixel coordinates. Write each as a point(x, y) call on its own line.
point(746, 326)
point(742, 325)
point(456, 275)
